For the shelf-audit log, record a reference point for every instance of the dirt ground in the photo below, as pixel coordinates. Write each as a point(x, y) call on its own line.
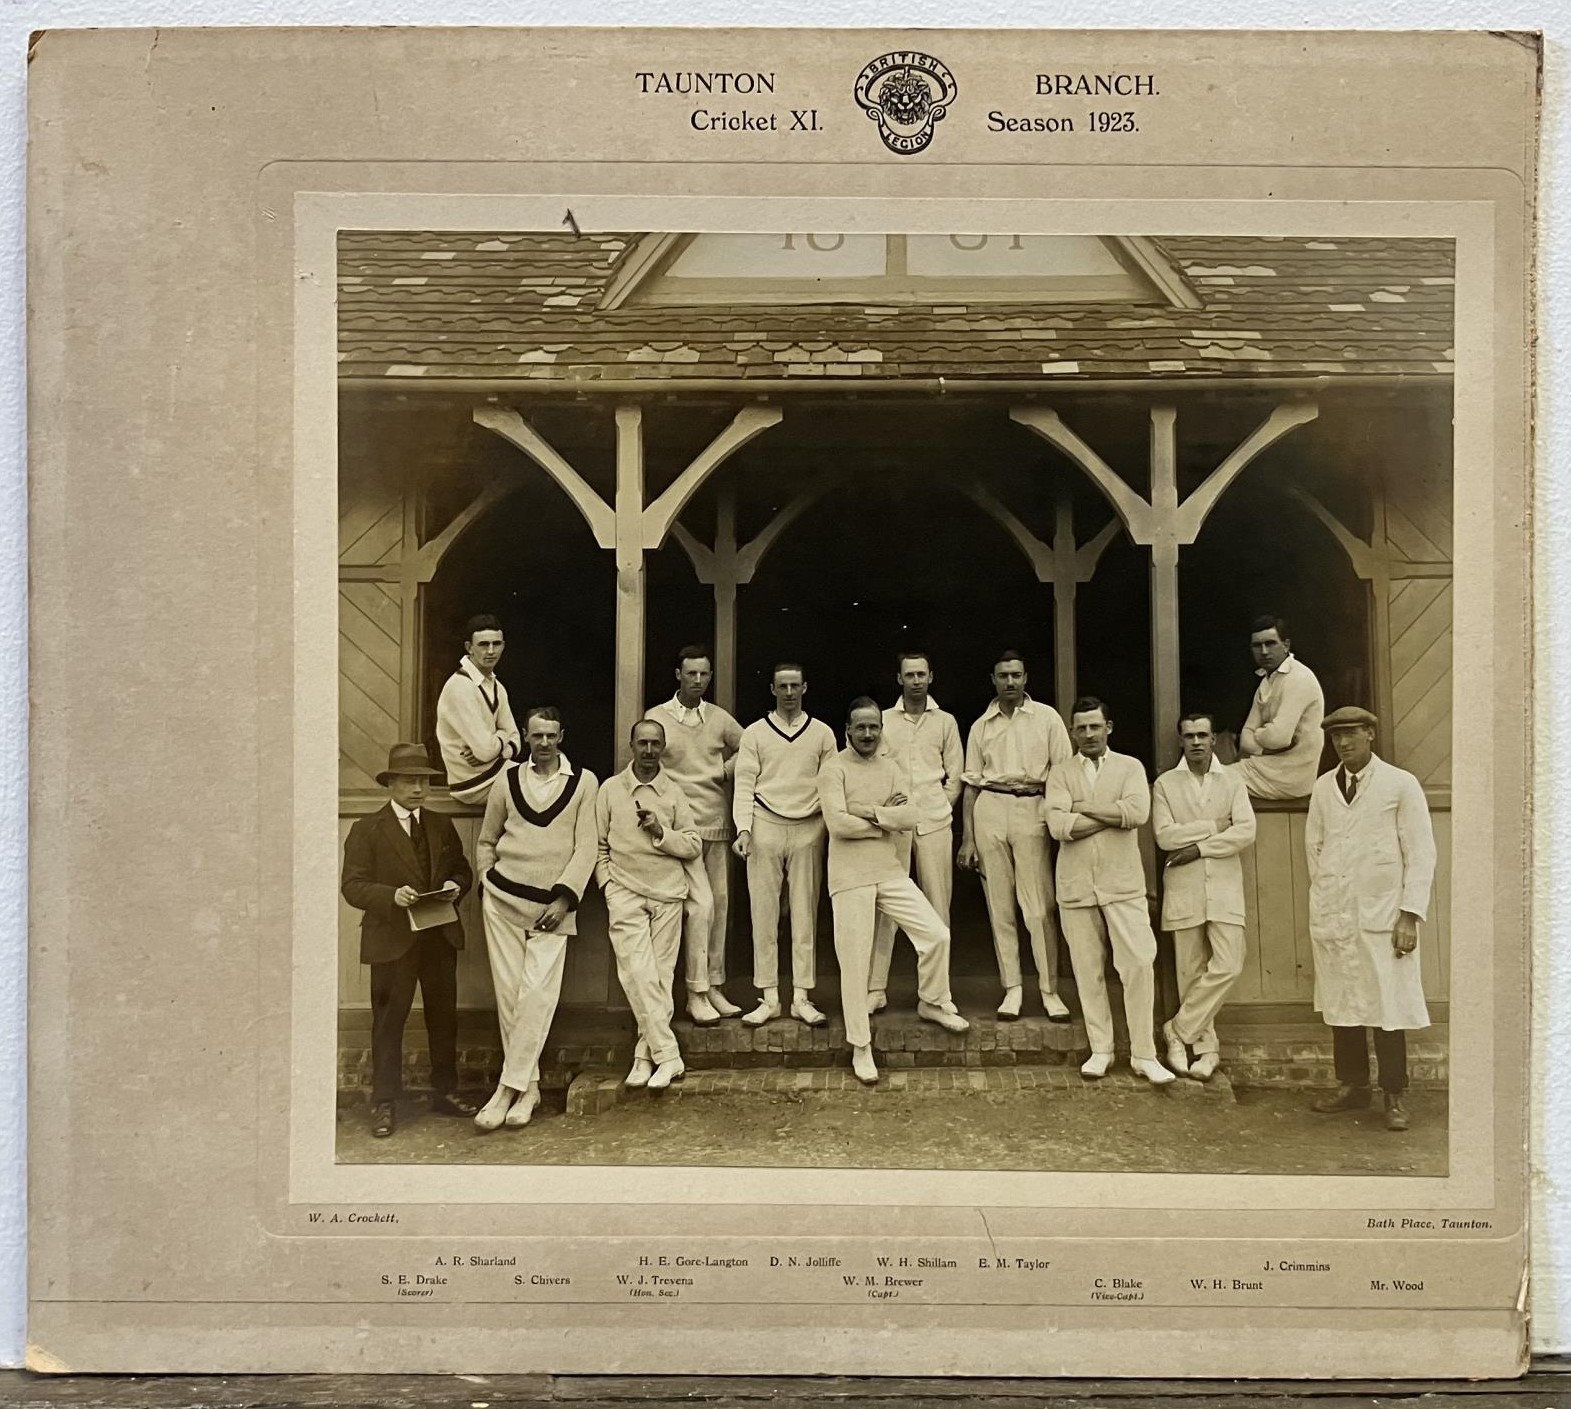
point(1264, 1132)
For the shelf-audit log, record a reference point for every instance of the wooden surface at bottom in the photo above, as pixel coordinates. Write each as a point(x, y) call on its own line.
point(1547, 1386)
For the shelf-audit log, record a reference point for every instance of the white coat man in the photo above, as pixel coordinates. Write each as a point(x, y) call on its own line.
point(780, 834)
point(1203, 821)
point(535, 855)
point(646, 837)
point(1371, 854)
point(1009, 753)
point(475, 728)
point(865, 808)
point(1095, 805)
point(1280, 745)
point(924, 742)
point(701, 741)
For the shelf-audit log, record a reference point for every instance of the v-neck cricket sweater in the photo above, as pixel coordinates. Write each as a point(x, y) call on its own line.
point(778, 771)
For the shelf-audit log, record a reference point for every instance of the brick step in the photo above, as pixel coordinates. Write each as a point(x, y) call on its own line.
point(1300, 1057)
point(594, 1092)
point(1296, 1055)
point(900, 1038)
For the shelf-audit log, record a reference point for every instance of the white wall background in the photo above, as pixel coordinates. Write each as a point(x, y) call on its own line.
point(1552, 938)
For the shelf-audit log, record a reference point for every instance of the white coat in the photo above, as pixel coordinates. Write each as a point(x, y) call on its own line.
point(1367, 863)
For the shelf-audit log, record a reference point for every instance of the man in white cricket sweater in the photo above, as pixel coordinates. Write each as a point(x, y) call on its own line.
point(1202, 818)
point(924, 742)
point(701, 741)
point(1282, 740)
point(475, 728)
point(780, 834)
point(865, 808)
point(646, 837)
point(1009, 752)
point(1095, 804)
point(535, 855)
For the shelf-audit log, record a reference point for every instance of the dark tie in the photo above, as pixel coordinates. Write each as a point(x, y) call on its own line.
point(1349, 786)
point(422, 856)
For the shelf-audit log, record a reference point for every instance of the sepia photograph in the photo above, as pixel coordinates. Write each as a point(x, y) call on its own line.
point(876, 745)
point(970, 701)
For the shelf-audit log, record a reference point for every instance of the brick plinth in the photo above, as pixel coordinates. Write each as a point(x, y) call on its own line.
point(595, 1092)
point(1290, 1055)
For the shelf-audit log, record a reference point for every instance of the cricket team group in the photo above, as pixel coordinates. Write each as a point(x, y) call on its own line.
point(801, 810)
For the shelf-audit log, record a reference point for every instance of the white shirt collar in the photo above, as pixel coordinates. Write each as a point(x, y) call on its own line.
point(899, 707)
point(564, 769)
point(1093, 764)
point(1359, 776)
point(1026, 706)
point(404, 814)
point(474, 672)
point(682, 714)
point(1283, 669)
point(790, 731)
point(658, 783)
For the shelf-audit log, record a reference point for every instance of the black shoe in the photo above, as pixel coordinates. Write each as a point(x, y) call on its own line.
point(1347, 1098)
point(1396, 1112)
point(451, 1103)
point(383, 1121)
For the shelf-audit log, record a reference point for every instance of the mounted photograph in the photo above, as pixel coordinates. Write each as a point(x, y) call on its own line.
point(922, 701)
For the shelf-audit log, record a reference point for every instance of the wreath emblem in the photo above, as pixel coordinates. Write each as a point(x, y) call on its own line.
point(906, 93)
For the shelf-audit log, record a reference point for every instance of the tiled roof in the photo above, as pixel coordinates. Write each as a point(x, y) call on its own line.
point(456, 305)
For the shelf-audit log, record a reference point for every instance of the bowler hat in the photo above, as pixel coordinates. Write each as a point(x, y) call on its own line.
point(410, 760)
point(1349, 717)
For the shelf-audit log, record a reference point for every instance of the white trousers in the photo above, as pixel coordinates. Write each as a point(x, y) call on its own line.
point(1210, 957)
point(935, 877)
point(526, 971)
point(789, 854)
point(856, 913)
point(1128, 925)
point(1011, 845)
point(645, 937)
point(704, 915)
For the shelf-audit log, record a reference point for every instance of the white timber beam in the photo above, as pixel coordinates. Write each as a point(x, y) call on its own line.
point(747, 423)
point(513, 428)
point(1163, 524)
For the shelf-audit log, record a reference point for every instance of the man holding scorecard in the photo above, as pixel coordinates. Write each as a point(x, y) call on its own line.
point(404, 869)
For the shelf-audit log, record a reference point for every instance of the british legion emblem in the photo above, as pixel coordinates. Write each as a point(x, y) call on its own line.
point(905, 93)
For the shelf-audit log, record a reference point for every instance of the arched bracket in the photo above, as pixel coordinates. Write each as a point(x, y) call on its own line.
point(513, 428)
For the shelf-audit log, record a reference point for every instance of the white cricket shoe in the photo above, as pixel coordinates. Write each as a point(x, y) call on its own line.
point(934, 1013)
point(666, 1073)
point(1152, 1070)
point(1096, 1066)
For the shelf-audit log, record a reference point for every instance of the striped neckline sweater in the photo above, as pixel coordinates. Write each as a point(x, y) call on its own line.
point(527, 858)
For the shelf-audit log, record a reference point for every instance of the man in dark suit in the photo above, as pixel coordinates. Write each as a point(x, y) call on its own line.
point(392, 857)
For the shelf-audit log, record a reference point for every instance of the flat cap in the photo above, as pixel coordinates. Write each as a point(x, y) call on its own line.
point(1349, 717)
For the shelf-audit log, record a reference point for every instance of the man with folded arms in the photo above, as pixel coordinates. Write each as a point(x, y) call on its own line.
point(865, 809)
point(1281, 742)
point(701, 741)
point(1008, 754)
point(1203, 821)
point(646, 837)
point(780, 834)
point(536, 853)
point(475, 728)
point(1095, 805)
point(391, 858)
point(924, 741)
point(1371, 853)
